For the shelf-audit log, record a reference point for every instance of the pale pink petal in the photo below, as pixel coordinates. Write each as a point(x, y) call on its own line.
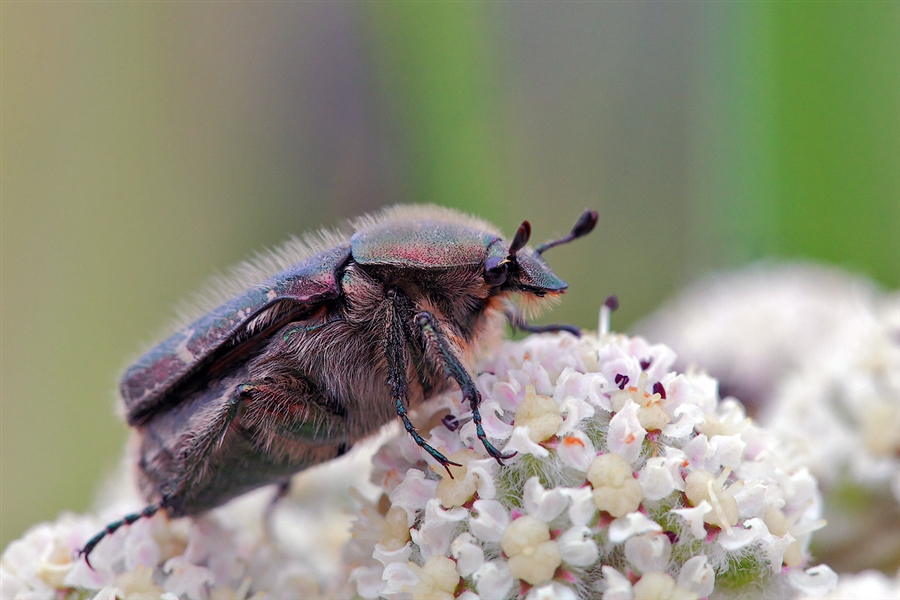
point(577, 548)
point(368, 581)
point(625, 432)
point(648, 552)
point(694, 518)
point(414, 492)
point(551, 591)
point(615, 585)
point(634, 523)
point(656, 478)
point(508, 395)
point(686, 417)
point(728, 449)
point(815, 581)
point(490, 522)
point(576, 450)
point(697, 576)
point(386, 556)
point(543, 504)
point(468, 554)
point(521, 443)
point(749, 532)
point(483, 470)
point(582, 509)
point(397, 578)
point(493, 579)
point(576, 411)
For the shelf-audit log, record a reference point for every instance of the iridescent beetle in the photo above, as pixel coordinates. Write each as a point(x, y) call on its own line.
point(342, 334)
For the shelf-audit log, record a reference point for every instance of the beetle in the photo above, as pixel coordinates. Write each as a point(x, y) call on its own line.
point(337, 336)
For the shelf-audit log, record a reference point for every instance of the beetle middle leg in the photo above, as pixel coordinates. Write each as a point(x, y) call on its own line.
point(457, 371)
point(281, 415)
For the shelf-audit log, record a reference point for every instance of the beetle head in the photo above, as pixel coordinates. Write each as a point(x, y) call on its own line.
point(524, 270)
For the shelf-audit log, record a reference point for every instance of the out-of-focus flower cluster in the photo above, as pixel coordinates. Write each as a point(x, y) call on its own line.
point(629, 481)
point(227, 554)
point(818, 351)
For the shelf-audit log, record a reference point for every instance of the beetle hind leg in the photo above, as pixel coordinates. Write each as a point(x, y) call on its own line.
point(455, 369)
point(110, 529)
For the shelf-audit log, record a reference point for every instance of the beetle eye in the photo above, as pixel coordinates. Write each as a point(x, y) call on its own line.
point(495, 270)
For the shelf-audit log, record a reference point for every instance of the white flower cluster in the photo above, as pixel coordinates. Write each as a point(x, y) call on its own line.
point(820, 351)
point(866, 585)
point(226, 554)
point(629, 481)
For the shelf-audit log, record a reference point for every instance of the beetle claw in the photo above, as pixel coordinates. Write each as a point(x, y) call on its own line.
point(446, 463)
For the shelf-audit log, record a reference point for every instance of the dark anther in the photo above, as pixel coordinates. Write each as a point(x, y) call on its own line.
point(645, 364)
point(612, 302)
point(583, 226)
point(659, 389)
point(621, 380)
point(450, 422)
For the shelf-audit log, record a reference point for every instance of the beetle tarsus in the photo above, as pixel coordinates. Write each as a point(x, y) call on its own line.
point(518, 323)
point(110, 529)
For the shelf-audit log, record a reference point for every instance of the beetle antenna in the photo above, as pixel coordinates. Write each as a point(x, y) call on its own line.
point(583, 226)
point(520, 239)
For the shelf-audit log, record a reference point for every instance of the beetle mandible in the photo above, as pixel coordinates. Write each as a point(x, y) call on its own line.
point(334, 337)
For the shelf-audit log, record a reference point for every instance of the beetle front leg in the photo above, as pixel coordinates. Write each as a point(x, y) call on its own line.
point(396, 352)
point(455, 369)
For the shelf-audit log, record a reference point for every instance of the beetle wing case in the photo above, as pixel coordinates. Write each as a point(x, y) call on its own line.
point(154, 381)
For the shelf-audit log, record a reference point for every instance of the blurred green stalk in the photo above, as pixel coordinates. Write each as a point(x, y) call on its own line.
point(435, 68)
point(837, 119)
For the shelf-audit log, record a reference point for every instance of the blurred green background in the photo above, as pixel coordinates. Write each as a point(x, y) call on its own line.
point(148, 145)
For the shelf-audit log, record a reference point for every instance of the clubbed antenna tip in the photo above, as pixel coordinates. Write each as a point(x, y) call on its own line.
point(583, 226)
point(585, 223)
